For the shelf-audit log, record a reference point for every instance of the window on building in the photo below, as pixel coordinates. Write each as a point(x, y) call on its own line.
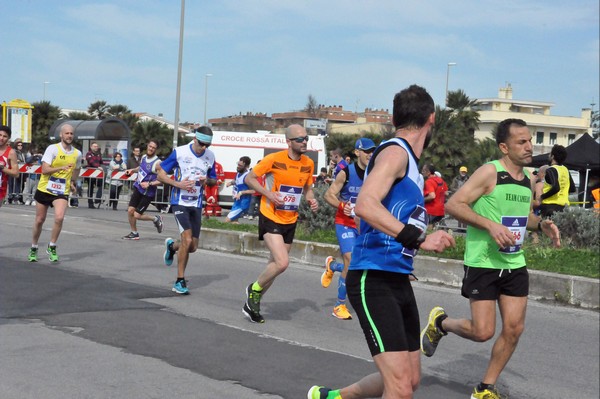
point(553, 138)
point(539, 138)
point(571, 139)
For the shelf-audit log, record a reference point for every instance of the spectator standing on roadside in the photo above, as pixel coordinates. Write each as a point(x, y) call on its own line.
point(558, 183)
point(496, 204)
point(93, 158)
point(144, 191)
point(60, 168)
point(193, 166)
point(33, 158)
point(116, 185)
point(9, 167)
point(133, 162)
point(434, 193)
point(459, 180)
point(16, 184)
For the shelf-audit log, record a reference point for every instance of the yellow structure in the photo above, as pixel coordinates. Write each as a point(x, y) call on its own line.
point(17, 114)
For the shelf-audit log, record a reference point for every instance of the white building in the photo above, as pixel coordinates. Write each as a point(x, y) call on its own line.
point(547, 129)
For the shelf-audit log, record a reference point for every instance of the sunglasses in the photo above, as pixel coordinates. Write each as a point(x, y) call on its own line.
point(369, 151)
point(300, 140)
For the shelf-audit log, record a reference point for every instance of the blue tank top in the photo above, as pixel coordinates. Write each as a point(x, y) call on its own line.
point(352, 186)
point(146, 173)
point(374, 250)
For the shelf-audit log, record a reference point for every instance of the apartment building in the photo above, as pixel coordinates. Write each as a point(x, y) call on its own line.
point(547, 129)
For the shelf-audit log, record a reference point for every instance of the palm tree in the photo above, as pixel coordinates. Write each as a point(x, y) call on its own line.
point(43, 115)
point(144, 131)
point(98, 109)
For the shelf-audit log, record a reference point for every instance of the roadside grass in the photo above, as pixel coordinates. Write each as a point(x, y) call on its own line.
point(575, 262)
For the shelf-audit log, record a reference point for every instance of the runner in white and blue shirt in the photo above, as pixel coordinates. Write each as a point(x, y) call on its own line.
point(192, 166)
point(241, 192)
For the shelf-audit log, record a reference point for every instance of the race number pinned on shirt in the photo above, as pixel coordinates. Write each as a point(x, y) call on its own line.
point(352, 205)
point(420, 219)
point(291, 198)
point(56, 186)
point(517, 226)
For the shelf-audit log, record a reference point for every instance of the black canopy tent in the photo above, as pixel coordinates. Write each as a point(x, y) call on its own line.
point(583, 155)
point(105, 129)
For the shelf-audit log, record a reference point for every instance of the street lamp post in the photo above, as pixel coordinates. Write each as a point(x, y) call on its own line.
point(447, 78)
point(45, 83)
point(208, 75)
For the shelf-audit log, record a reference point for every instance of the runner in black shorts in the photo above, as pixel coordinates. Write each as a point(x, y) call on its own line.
point(143, 191)
point(266, 225)
point(496, 205)
point(385, 304)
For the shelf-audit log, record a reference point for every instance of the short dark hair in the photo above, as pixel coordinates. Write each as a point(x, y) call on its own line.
point(503, 128)
point(151, 141)
point(6, 129)
point(559, 153)
point(412, 107)
point(246, 160)
point(430, 168)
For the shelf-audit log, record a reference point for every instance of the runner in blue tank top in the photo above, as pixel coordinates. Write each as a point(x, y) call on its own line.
point(392, 229)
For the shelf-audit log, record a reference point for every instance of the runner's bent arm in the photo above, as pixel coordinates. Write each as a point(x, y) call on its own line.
point(332, 194)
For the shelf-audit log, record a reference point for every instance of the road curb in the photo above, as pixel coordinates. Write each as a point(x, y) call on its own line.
point(573, 290)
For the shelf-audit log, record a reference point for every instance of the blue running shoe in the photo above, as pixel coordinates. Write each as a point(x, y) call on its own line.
point(180, 287)
point(169, 252)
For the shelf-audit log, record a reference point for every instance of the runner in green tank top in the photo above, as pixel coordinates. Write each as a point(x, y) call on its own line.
point(495, 203)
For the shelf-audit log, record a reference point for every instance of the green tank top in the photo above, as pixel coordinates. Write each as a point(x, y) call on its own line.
point(509, 204)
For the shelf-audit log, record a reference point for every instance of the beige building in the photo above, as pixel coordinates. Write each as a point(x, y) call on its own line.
point(547, 129)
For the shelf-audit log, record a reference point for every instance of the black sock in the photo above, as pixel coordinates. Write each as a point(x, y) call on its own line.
point(483, 386)
point(179, 279)
point(438, 323)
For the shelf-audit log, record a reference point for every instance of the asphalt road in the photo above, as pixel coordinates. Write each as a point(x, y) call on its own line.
point(103, 323)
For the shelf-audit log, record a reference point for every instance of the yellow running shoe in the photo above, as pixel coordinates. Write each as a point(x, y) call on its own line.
point(488, 393)
point(431, 335)
point(341, 312)
point(327, 275)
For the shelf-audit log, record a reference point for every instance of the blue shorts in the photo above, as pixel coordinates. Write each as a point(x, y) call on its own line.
point(188, 218)
point(239, 208)
point(346, 237)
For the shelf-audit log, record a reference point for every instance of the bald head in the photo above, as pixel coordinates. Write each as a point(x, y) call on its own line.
point(293, 131)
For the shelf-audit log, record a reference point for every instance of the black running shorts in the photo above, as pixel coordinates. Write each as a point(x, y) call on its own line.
point(266, 225)
point(47, 199)
point(488, 284)
point(188, 218)
point(139, 201)
point(386, 307)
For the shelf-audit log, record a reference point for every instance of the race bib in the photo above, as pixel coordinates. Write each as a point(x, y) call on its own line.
point(291, 198)
point(56, 186)
point(517, 226)
point(190, 197)
point(352, 205)
point(420, 219)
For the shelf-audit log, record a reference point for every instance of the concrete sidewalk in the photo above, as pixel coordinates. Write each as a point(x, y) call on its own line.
point(571, 290)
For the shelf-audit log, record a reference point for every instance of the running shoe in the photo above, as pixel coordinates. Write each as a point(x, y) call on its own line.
point(32, 254)
point(431, 335)
point(488, 393)
point(132, 236)
point(327, 275)
point(52, 255)
point(251, 308)
point(180, 287)
point(341, 312)
point(317, 392)
point(158, 223)
point(169, 252)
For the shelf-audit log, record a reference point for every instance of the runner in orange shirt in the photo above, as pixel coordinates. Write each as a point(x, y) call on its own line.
point(289, 174)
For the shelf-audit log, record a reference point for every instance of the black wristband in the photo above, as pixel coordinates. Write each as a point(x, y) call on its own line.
point(411, 237)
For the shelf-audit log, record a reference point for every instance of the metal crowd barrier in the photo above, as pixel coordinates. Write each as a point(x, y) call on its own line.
point(26, 183)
